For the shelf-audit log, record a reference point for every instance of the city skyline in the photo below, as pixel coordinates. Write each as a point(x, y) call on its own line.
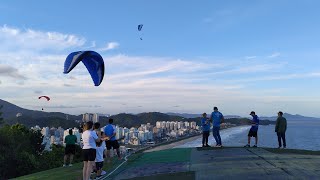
point(238, 56)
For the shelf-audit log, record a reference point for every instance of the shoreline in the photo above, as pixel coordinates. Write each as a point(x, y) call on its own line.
point(170, 145)
point(173, 144)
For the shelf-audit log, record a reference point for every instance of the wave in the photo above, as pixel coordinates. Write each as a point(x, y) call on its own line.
point(226, 136)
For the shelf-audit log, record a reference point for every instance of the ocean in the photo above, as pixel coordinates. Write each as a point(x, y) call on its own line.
point(299, 135)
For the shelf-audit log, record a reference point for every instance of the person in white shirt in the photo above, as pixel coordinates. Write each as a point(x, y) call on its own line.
point(101, 146)
point(89, 138)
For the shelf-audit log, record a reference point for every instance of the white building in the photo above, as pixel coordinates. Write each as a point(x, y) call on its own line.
point(90, 117)
point(45, 131)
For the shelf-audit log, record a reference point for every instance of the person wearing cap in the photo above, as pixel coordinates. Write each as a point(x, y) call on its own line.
point(280, 129)
point(216, 118)
point(205, 130)
point(254, 129)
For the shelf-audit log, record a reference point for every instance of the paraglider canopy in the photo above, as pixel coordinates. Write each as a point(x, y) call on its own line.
point(46, 97)
point(91, 59)
point(139, 29)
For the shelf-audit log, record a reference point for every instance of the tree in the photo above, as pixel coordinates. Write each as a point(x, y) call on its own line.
point(1, 119)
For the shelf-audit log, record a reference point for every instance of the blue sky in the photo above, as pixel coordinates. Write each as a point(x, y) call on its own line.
point(237, 55)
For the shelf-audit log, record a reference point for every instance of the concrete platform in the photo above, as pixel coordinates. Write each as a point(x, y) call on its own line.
point(223, 163)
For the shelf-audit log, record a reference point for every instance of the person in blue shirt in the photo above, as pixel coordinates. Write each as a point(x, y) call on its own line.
point(205, 130)
point(110, 133)
point(254, 129)
point(216, 118)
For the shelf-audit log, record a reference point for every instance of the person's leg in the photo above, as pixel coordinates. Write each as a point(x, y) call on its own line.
point(89, 168)
point(207, 138)
point(256, 139)
point(249, 138)
point(279, 139)
point(284, 140)
point(203, 138)
point(65, 160)
point(84, 170)
point(115, 145)
point(107, 152)
point(71, 158)
point(214, 133)
point(218, 136)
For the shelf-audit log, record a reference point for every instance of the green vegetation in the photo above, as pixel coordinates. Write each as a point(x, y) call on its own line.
point(164, 156)
point(23, 152)
point(70, 173)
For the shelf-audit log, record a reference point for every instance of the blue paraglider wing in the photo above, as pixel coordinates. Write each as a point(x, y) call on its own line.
point(92, 60)
point(140, 27)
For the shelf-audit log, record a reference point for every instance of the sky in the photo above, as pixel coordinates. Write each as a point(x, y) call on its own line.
point(237, 55)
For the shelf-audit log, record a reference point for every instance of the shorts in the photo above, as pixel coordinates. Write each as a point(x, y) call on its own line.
point(99, 165)
point(70, 149)
point(252, 133)
point(114, 144)
point(89, 154)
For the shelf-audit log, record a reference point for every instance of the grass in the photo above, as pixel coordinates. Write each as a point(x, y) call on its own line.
point(70, 173)
point(164, 156)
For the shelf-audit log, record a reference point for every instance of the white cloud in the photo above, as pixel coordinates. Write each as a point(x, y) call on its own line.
point(274, 55)
point(110, 46)
point(250, 57)
point(154, 83)
point(29, 39)
point(8, 71)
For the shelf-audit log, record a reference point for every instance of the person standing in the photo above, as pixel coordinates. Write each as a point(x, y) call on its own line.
point(280, 129)
point(216, 118)
point(254, 129)
point(205, 130)
point(89, 138)
point(110, 133)
point(70, 149)
point(99, 156)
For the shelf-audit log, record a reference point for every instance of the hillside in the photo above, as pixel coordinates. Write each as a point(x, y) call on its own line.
point(55, 119)
point(10, 111)
point(291, 117)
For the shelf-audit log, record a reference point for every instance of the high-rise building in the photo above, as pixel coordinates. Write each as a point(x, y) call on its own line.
point(90, 117)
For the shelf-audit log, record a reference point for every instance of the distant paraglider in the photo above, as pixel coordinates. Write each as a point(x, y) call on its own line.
point(91, 59)
point(45, 97)
point(139, 29)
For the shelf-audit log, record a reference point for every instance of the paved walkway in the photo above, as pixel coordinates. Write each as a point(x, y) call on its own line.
point(223, 163)
point(252, 163)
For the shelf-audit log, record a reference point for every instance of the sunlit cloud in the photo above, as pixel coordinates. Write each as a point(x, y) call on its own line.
point(110, 46)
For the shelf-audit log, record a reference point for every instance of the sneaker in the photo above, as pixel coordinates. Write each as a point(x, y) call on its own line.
point(255, 146)
point(284, 147)
point(70, 165)
point(248, 145)
point(207, 145)
point(279, 147)
point(219, 145)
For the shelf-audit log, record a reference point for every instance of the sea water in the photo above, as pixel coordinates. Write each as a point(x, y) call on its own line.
point(299, 135)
